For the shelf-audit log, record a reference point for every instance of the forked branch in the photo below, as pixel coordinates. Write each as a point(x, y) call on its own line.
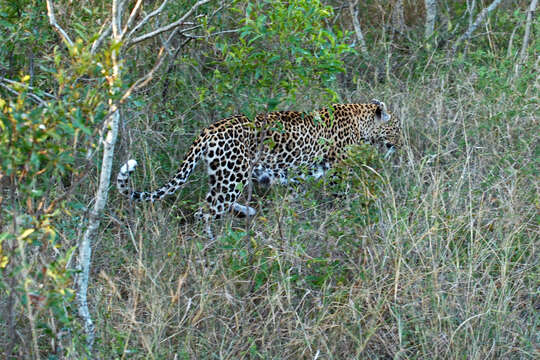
point(146, 19)
point(479, 19)
point(167, 27)
point(54, 24)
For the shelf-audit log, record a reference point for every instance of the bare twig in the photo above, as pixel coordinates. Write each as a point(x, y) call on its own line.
point(119, 17)
point(168, 27)
point(13, 82)
point(141, 82)
point(523, 53)
point(511, 43)
point(187, 29)
point(471, 5)
point(54, 24)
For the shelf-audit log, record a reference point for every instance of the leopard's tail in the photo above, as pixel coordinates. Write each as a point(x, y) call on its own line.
point(189, 163)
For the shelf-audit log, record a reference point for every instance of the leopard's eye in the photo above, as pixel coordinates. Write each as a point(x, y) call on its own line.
point(388, 145)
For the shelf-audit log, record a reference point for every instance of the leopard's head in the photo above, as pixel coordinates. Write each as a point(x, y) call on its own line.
point(387, 129)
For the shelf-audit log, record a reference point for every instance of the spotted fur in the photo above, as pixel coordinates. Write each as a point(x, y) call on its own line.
point(272, 146)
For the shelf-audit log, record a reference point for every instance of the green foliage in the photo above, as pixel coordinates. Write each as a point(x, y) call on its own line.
point(46, 143)
point(25, 36)
point(283, 49)
point(361, 171)
point(32, 160)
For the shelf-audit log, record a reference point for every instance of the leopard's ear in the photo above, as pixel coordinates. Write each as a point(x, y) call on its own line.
point(380, 113)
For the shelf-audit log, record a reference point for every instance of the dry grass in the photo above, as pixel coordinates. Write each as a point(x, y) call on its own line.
point(443, 265)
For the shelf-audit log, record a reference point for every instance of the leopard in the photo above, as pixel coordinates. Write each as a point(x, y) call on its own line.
point(268, 149)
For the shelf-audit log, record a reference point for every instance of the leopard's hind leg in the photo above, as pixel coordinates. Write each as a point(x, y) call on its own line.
point(227, 177)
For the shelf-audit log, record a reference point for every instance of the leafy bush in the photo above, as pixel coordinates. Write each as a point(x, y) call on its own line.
point(42, 163)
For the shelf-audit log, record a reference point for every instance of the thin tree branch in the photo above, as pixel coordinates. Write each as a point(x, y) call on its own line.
point(479, 19)
point(13, 82)
point(143, 81)
point(187, 29)
point(105, 31)
point(523, 53)
point(36, 98)
point(170, 26)
point(169, 69)
point(208, 35)
point(120, 13)
point(470, 9)
point(54, 24)
point(132, 16)
point(146, 78)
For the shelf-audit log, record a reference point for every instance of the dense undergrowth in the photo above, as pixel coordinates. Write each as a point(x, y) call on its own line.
point(440, 263)
point(432, 254)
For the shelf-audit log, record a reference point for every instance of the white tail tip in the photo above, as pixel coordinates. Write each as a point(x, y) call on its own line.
point(129, 166)
point(246, 210)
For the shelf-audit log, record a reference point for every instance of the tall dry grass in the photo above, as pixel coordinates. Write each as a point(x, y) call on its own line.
point(444, 264)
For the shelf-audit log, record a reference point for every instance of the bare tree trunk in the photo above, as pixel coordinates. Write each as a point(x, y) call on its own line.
point(85, 246)
point(523, 53)
point(431, 15)
point(398, 20)
point(479, 19)
point(357, 29)
point(109, 142)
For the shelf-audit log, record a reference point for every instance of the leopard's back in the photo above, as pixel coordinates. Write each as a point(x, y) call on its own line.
point(271, 148)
